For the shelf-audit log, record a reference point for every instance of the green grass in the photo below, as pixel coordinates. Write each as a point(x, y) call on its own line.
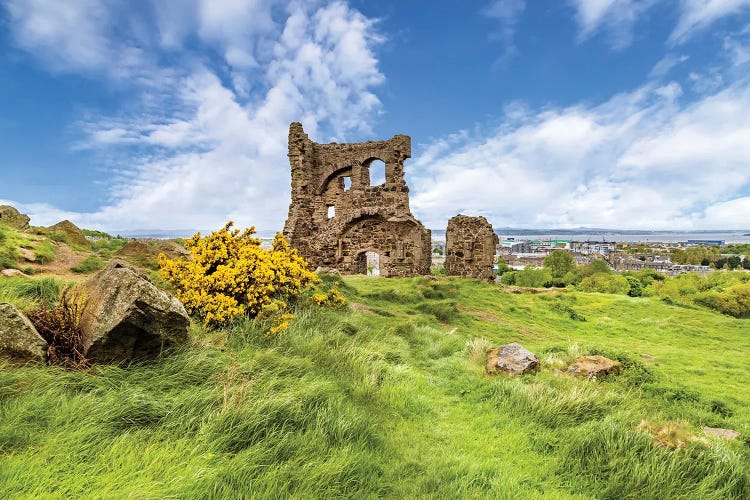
point(45, 252)
point(390, 399)
point(26, 293)
point(89, 265)
point(10, 242)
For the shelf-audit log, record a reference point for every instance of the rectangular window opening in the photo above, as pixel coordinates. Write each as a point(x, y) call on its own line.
point(347, 183)
point(331, 211)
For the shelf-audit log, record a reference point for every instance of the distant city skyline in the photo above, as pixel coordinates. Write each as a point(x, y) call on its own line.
point(166, 114)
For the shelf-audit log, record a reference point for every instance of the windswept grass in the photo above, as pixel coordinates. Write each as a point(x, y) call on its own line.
point(26, 293)
point(359, 404)
point(10, 243)
point(89, 265)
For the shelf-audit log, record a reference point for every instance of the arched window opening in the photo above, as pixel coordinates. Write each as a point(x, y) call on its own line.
point(377, 173)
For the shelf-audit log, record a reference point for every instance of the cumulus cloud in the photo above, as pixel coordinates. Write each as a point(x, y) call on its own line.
point(639, 160)
point(202, 149)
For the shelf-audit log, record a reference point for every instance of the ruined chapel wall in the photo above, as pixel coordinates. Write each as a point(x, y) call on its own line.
point(470, 247)
point(365, 217)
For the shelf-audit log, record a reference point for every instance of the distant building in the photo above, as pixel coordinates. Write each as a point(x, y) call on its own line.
point(592, 247)
point(713, 243)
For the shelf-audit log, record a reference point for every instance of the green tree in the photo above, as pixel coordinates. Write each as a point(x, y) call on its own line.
point(636, 289)
point(502, 267)
point(734, 262)
point(533, 278)
point(559, 263)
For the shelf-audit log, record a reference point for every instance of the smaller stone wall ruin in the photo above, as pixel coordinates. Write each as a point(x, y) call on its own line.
point(470, 247)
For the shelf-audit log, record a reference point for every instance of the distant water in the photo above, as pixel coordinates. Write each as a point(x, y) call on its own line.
point(526, 234)
point(625, 236)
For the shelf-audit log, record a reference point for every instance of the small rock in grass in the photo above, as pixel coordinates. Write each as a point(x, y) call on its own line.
point(12, 273)
point(18, 337)
point(722, 433)
point(27, 255)
point(511, 359)
point(593, 367)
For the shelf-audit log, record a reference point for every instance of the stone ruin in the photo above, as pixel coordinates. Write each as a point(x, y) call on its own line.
point(336, 216)
point(470, 247)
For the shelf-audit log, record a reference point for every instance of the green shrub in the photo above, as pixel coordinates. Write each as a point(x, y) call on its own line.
point(90, 265)
point(636, 289)
point(734, 301)
point(605, 283)
point(530, 278)
point(108, 244)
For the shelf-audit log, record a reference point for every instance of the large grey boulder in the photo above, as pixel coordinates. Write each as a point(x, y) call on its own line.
point(126, 317)
point(13, 218)
point(18, 337)
point(511, 359)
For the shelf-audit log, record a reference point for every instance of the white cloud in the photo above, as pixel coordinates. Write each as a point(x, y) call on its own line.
point(507, 13)
point(666, 64)
point(639, 160)
point(200, 151)
point(699, 14)
point(618, 16)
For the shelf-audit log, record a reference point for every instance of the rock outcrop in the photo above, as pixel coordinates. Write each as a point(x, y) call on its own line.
point(126, 317)
point(13, 218)
point(470, 247)
point(511, 359)
point(73, 233)
point(18, 337)
point(139, 247)
point(594, 366)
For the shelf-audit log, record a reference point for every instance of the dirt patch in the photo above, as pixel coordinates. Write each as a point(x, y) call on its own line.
point(65, 258)
point(480, 315)
point(360, 307)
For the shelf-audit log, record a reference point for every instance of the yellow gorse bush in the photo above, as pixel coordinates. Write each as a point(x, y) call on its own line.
point(230, 274)
point(332, 298)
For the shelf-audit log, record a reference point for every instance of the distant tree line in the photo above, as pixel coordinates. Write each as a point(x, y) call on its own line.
point(728, 293)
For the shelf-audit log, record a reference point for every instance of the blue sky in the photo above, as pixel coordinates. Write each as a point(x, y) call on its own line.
point(173, 114)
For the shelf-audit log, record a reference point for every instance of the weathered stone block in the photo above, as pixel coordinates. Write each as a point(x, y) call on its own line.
point(594, 366)
point(470, 247)
point(18, 337)
point(126, 317)
point(511, 359)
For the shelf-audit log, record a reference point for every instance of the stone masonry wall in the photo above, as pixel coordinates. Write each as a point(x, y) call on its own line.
point(470, 247)
point(334, 226)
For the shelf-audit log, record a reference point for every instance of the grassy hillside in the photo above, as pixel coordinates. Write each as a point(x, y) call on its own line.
point(389, 398)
